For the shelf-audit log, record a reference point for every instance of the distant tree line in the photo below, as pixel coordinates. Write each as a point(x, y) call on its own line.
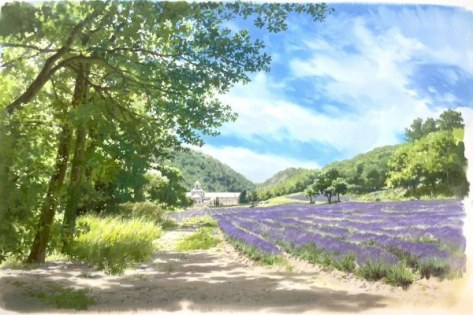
point(431, 162)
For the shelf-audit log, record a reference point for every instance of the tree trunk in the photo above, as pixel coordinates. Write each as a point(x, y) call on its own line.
point(338, 197)
point(138, 193)
point(48, 210)
point(310, 198)
point(77, 168)
point(329, 197)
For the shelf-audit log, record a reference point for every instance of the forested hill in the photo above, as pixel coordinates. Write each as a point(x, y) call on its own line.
point(285, 182)
point(212, 174)
point(367, 170)
point(364, 172)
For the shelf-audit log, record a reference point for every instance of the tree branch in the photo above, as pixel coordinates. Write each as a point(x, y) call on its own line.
point(48, 69)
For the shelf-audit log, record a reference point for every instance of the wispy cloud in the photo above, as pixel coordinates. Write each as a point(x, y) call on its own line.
point(349, 85)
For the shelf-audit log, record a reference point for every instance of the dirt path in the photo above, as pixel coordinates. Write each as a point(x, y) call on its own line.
point(220, 280)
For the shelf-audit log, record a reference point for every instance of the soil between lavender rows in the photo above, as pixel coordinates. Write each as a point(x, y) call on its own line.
point(221, 280)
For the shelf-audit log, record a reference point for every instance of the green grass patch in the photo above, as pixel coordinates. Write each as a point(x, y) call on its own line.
point(203, 221)
point(434, 268)
point(67, 298)
point(145, 210)
point(112, 244)
point(406, 257)
point(313, 254)
point(346, 264)
point(373, 270)
point(255, 254)
point(169, 224)
point(399, 275)
point(203, 238)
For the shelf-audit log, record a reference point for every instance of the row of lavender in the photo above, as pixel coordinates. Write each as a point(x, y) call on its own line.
point(369, 231)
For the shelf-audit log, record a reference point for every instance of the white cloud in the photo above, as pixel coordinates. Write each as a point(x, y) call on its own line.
point(369, 71)
point(255, 166)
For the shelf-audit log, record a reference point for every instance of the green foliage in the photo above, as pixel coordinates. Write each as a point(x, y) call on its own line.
point(112, 244)
point(169, 224)
point(448, 120)
point(203, 238)
point(109, 88)
point(285, 182)
point(399, 275)
point(67, 298)
point(314, 255)
point(211, 173)
point(434, 268)
point(142, 210)
point(166, 186)
point(310, 192)
point(434, 164)
point(202, 221)
point(373, 271)
point(346, 264)
point(365, 172)
point(255, 254)
point(329, 183)
point(404, 256)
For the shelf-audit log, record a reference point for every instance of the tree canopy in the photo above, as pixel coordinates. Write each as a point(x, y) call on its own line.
point(94, 93)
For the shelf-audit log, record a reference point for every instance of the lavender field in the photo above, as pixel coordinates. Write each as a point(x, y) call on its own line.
point(413, 232)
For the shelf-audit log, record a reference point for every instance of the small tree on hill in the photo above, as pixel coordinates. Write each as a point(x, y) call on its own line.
point(310, 192)
point(324, 183)
point(340, 186)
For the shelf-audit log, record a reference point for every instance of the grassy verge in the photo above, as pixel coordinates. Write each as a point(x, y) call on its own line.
point(112, 244)
point(66, 298)
point(256, 255)
point(203, 238)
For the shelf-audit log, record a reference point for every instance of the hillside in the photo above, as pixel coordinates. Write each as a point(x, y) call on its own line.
point(285, 182)
point(366, 171)
point(211, 173)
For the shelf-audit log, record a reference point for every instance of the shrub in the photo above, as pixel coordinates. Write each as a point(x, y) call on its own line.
point(255, 254)
point(404, 256)
point(204, 221)
point(399, 275)
point(314, 255)
point(112, 243)
point(346, 263)
point(434, 268)
point(169, 224)
point(68, 298)
point(146, 210)
point(203, 238)
point(373, 271)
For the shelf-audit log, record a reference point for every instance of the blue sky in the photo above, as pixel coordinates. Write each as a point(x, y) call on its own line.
point(347, 85)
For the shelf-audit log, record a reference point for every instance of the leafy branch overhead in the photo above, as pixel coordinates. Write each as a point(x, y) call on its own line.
point(107, 90)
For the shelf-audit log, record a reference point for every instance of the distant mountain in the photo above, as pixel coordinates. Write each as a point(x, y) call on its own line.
point(212, 174)
point(365, 172)
point(286, 182)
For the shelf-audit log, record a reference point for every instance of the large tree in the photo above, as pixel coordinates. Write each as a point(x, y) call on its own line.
point(432, 165)
point(121, 83)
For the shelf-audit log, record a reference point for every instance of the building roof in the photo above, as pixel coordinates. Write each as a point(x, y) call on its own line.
point(222, 194)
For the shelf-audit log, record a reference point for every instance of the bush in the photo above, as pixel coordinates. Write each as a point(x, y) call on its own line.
point(203, 238)
point(346, 263)
point(434, 268)
point(255, 254)
point(204, 221)
point(314, 255)
point(68, 298)
point(146, 210)
point(112, 244)
point(399, 275)
point(373, 271)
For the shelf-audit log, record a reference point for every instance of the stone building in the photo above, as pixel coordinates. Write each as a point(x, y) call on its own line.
point(202, 198)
